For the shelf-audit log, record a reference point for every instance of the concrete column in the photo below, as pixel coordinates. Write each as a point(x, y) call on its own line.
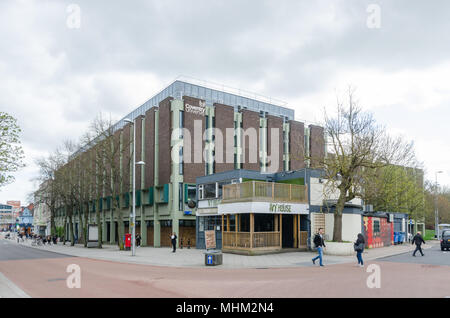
point(143, 227)
point(252, 228)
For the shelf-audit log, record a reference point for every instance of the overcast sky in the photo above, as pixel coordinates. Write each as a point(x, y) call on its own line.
point(61, 65)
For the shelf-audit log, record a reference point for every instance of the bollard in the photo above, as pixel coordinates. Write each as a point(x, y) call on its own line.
point(189, 243)
point(181, 243)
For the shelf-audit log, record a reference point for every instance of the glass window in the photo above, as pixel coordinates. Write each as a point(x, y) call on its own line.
point(376, 226)
point(180, 164)
point(264, 222)
point(232, 223)
point(209, 191)
point(191, 192)
point(180, 197)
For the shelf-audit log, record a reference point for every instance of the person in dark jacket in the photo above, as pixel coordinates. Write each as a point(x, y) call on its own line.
point(320, 244)
point(418, 239)
point(138, 240)
point(359, 248)
point(174, 242)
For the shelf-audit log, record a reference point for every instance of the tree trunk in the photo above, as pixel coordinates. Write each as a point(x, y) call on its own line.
point(337, 229)
point(99, 224)
point(64, 230)
point(72, 231)
point(85, 225)
point(52, 222)
point(120, 230)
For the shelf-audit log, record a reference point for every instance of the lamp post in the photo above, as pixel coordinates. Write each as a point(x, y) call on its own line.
point(436, 211)
point(133, 216)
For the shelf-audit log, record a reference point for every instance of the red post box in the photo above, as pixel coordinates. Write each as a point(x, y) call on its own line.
point(127, 241)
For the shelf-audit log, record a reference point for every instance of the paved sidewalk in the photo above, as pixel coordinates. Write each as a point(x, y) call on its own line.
point(9, 290)
point(195, 258)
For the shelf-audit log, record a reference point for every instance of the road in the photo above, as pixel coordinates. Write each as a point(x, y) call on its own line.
point(44, 274)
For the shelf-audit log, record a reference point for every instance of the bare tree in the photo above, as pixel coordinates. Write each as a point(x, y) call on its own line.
point(357, 146)
point(108, 155)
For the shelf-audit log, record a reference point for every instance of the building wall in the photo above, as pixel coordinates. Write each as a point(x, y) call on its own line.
point(351, 226)
point(250, 122)
point(381, 238)
point(139, 157)
point(164, 136)
point(317, 145)
point(224, 120)
point(276, 158)
point(149, 130)
point(193, 148)
point(296, 145)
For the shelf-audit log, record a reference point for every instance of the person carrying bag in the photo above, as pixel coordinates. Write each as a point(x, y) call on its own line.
point(359, 249)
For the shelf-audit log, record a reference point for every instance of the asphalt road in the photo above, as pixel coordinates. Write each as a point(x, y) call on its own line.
point(12, 251)
point(433, 256)
point(44, 274)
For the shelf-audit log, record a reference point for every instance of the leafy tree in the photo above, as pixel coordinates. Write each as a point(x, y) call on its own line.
point(11, 152)
point(358, 146)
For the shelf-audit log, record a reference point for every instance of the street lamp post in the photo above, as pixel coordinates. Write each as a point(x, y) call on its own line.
point(436, 210)
point(133, 216)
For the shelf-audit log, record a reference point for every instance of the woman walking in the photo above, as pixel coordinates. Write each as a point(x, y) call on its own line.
point(359, 248)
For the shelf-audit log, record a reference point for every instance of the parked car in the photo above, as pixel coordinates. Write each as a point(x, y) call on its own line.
point(445, 240)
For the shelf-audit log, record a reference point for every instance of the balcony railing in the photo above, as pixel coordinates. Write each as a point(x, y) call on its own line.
point(264, 191)
point(241, 240)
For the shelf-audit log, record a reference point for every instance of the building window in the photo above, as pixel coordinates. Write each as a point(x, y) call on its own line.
point(191, 193)
point(180, 197)
point(376, 226)
point(181, 123)
point(209, 191)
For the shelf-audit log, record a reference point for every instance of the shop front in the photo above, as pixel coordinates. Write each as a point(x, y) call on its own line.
point(263, 217)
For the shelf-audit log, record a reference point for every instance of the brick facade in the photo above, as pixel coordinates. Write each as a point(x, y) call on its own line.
point(224, 119)
point(297, 145)
point(250, 122)
point(193, 149)
point(164, 136)
point(274, 122)
point(149, 148)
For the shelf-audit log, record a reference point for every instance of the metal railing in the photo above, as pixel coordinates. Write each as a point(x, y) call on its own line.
point(264, 191)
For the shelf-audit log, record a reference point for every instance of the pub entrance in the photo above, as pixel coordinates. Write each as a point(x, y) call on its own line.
point(287, 240)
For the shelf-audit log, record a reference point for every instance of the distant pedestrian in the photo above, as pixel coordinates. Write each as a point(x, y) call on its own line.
point(359, 248)
point(320, 244)
point(174, 242)
point(418, 239)
point(138, 240)
point(55, 239)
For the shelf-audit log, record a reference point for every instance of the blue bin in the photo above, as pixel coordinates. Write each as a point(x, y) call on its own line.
point(402, 237)
point(395, 237)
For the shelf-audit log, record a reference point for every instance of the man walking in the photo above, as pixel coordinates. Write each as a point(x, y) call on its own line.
point(418, 239)
point(320, 243)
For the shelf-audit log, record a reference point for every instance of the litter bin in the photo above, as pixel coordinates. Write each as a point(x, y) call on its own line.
point(127, 241)
point(213, 258)
point(395, 238)
point(402, 237)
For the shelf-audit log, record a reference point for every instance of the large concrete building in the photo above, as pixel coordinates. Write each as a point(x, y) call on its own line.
point(189, 130)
